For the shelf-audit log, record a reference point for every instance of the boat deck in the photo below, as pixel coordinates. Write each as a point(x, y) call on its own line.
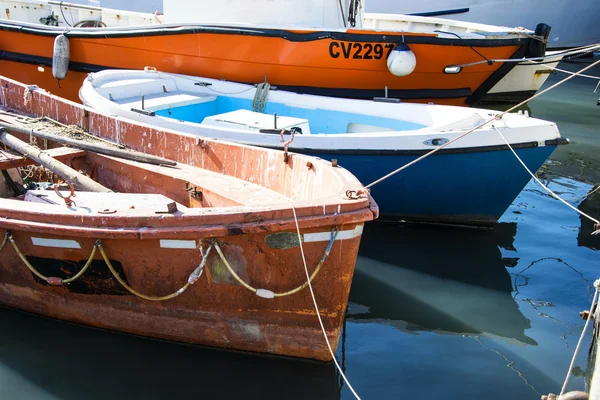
point(188, 186)
point(11, 159)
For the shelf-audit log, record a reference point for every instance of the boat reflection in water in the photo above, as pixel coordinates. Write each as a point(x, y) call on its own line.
point(49, 359)
point(591, 206)
point(436, 278)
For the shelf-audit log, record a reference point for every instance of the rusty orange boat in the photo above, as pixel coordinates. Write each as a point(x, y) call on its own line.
point(206, 250)
point(304, 47)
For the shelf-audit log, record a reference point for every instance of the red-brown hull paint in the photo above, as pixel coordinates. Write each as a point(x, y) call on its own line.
point(209, 313)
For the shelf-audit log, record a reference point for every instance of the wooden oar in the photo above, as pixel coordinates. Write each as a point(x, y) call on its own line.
point(79, 181)
point(94, 147)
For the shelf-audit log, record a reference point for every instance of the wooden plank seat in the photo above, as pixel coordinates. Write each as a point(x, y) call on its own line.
point(11, 159)
point(93, 201)
point(187, 185)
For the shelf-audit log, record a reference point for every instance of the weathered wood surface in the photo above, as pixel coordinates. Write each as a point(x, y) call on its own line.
point(12, 159)
point(80, 181)
point(85, 145)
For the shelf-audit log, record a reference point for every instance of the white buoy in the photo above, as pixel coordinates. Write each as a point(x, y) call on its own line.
point(401, 61)
point(60, 58)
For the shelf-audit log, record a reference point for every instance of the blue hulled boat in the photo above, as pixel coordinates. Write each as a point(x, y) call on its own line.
point(470, 181)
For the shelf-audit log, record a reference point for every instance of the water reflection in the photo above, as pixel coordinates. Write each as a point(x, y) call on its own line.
point(437, 278)
point(591, 206)
point(48, 359)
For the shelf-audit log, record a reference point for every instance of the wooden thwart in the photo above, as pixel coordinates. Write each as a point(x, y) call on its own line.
point(12, 159)
point(79, 180)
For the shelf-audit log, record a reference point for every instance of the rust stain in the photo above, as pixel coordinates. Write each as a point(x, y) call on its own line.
point(153, 253)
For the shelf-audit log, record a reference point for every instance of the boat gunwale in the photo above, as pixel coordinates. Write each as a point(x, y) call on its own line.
point(339, 206)
point(106, 227)
point(293, 34)
point(432, 118)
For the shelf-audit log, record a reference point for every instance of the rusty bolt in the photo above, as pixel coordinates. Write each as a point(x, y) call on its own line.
point(309, 165)
point(201, 143)
point(334, 162)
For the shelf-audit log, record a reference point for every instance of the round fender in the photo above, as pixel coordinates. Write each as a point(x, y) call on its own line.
point(60, 58)
point(401, 61)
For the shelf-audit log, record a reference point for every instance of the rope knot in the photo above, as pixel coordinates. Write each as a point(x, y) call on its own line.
point(197, 273)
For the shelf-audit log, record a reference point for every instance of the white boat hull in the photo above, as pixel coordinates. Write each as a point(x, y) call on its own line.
point(472, 181)
point(574, 23)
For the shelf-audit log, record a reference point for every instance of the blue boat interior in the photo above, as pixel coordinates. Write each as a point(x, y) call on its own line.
point(319, 120)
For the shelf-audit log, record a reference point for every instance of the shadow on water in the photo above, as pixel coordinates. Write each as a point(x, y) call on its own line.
point(48, 359)
point(591, 206)
point(437, 278)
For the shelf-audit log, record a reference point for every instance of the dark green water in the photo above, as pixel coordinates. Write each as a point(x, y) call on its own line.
point(435, 313)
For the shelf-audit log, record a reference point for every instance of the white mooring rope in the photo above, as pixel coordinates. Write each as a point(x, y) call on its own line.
point(312, 293)
point(587, 322)
point(564, 71)
point(370, 185)
point(581, 50)
point(546, 188)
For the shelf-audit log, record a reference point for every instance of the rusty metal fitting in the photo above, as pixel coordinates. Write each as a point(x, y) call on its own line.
point(67, 199)
point(357, 194)
point(202, 143)
point(309, 165)
point(286, 143)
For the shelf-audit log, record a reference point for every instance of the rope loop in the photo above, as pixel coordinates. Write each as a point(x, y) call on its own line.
point(194, 276)
point(51, 280)
point(55, 281)
point(268, 294)
point(260, 97)
point(357, 194)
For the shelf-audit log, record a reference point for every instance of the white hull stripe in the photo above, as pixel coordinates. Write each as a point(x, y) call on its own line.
point(326, 236)
point(178, 244)
point(60, 243)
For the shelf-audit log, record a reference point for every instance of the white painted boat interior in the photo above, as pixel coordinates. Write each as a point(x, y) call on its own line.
point(227, 110)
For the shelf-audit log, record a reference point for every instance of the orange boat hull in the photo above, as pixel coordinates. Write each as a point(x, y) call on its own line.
point(216, 310)
point(346, 64)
